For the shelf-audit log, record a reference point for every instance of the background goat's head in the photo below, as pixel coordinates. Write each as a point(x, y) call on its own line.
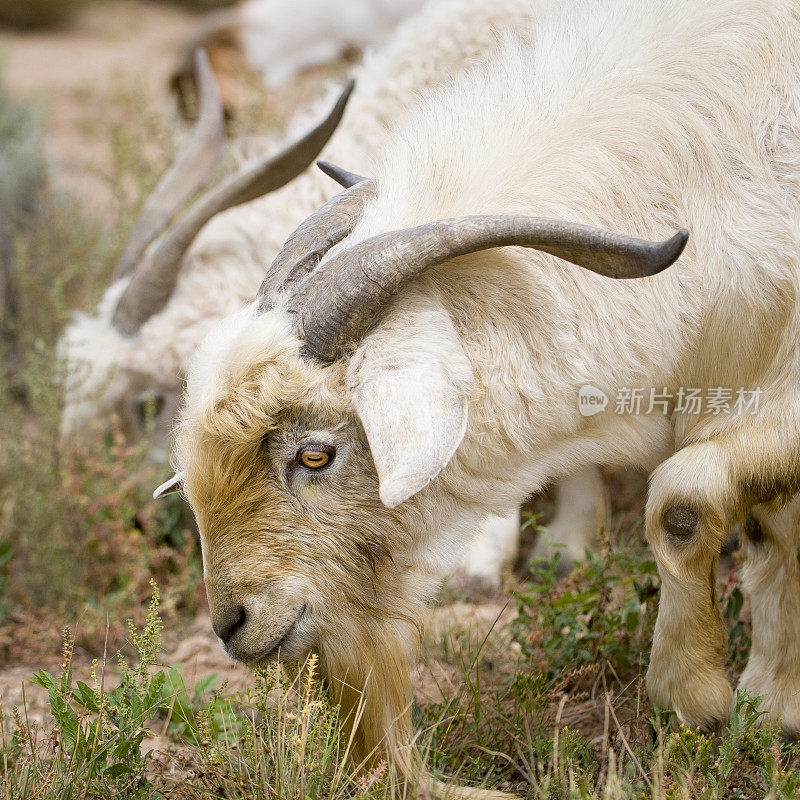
point(110, 357)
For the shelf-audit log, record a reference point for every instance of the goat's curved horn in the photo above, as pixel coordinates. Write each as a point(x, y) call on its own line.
point(340, 301)
point(342, 176)
point(152, 285)
point(322, 230)
point(189, 172)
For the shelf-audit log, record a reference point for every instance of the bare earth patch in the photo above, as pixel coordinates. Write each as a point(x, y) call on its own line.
point(78, 73)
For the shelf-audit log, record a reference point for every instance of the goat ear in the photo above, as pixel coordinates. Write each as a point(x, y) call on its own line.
point(409, 389)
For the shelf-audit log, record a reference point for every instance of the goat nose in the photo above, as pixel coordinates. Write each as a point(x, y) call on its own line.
point(228, 622)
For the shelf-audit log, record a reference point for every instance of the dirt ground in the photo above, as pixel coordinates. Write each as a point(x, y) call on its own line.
point(76, 74)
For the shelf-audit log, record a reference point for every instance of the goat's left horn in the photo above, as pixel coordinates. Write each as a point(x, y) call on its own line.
point(341, 175)
point(151, 286)
point(326, 227)
point(340, 301)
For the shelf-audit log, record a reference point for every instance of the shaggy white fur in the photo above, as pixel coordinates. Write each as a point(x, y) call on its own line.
point(280, 39)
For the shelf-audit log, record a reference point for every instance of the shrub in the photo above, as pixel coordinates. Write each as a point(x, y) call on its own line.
point(604, 611)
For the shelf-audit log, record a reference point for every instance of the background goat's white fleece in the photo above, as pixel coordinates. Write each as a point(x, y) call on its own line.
point(281, 37)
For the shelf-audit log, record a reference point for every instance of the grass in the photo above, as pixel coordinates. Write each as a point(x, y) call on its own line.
point(281, 739)
point(580, 731)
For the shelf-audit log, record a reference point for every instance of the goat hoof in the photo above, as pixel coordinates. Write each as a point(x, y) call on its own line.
point(702, 700)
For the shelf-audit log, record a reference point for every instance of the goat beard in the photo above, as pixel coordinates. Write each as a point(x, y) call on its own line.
point(368, 677)
point(367, 671)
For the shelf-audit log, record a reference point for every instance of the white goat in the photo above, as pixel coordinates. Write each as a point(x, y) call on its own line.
point(138, 376)
point(396, 380)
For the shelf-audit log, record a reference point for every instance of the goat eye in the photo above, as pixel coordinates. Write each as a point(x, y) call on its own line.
point(316, 457)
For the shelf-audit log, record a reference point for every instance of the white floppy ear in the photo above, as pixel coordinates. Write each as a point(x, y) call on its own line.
point(409, 383)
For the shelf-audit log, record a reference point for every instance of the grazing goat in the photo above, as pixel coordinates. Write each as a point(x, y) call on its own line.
point(277, 39)
point(136, 373)
point(417, 352)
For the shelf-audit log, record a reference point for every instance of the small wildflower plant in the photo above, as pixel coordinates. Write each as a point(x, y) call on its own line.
point(604, 611)
point(94, 744)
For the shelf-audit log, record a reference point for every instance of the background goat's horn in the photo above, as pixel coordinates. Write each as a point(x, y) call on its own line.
point(342, 176)
point(340, 301)
point(190, 171)
point(152, 284)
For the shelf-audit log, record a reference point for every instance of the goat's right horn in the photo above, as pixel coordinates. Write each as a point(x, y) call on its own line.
point(189, 172)
point(341, 300)
point(152, 284)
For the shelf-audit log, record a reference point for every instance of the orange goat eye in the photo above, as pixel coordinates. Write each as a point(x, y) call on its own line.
point(315, 458)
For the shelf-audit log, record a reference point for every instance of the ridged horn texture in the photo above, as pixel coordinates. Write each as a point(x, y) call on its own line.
point(303, 250)
point(342, 176)
point(152, 284)
point(342, 300)
point(190, 171)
